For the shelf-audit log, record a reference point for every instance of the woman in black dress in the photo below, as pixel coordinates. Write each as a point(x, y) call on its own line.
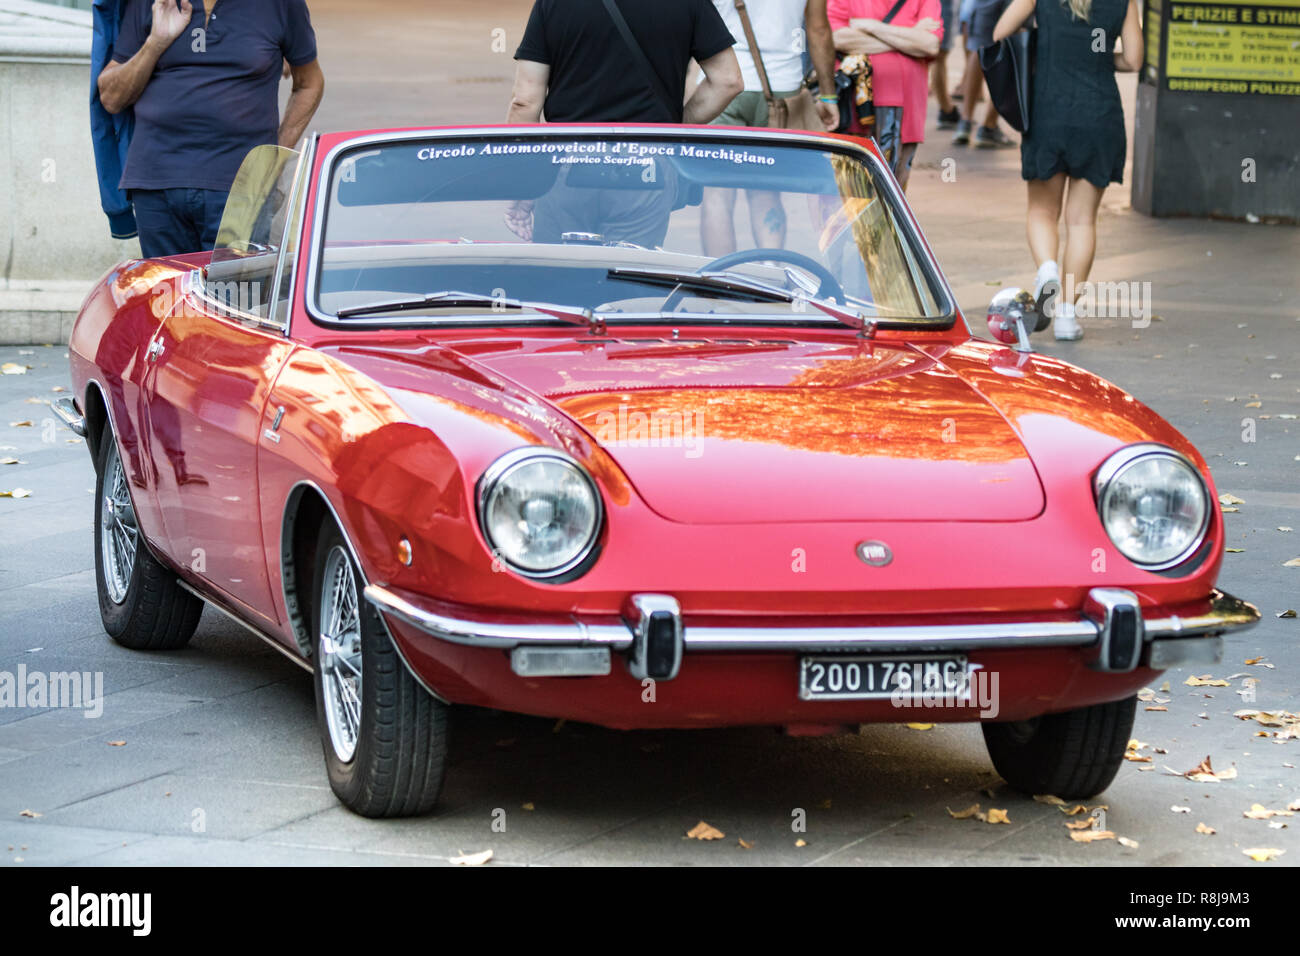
point(1076, 132)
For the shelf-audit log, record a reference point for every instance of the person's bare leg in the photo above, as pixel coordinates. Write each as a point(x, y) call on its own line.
point(972, 86)
point(717, 224)
point(1042, 217)
point(939, 81)
point(1082, 201)
point(906, 152)
point(991, 115)
point(766, 218)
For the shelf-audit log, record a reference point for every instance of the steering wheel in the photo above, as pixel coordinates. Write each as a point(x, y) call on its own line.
point(830, 287)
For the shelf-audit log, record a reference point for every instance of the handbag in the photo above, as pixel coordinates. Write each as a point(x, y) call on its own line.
point(1008, 68)
point(853, 87)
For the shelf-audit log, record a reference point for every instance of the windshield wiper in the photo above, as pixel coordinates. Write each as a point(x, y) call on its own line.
point(707, 281)
point(462, 300)
point(745, 286)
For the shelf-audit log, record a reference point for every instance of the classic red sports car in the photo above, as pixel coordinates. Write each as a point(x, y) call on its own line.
point(641, 426)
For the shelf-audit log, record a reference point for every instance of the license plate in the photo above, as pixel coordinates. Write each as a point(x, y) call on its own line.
point(875, 677)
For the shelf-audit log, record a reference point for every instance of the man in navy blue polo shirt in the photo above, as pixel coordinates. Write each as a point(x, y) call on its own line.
point(203, 79)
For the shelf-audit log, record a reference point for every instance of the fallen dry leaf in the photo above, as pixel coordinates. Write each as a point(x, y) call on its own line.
point(1263, 854)
point(971, 811)
point(1156, 707)
point(997, 816)
point(1125, 841)
point(1234, 550)
point(1228, 499)
point(11, 461)
point(25, 423)
point(1177, 809)
point(744, 844)
point(528, 806)
point(1294, 805)
point(1258, 811)
point(1293, 563)
point(117, 743)
point(702, 831)
point(1091, 836)
point(16, 493)
point(1290, 612)
point(1206, 681)
point(921, 726)
point(28, 813)
point(1131, 751)
point(1049, 799)
point(1084, 824)
point(1207, 830)
point(800, 842)
point(13, 368)
point(471, 859)
point(1204, 773)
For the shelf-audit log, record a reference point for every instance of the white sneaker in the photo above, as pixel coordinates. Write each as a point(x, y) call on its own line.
point(1066, 327)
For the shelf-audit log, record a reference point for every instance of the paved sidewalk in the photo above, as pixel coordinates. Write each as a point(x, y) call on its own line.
point(221, 764)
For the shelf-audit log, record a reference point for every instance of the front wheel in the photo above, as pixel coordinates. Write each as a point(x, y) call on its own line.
point(384, 736)
point(1073, 755)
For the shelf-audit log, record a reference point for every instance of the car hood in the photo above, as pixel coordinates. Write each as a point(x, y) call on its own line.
point(717, 430)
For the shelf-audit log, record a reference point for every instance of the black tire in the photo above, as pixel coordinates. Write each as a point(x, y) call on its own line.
point(154, 613)
point(1072, 755)
point(399, 749)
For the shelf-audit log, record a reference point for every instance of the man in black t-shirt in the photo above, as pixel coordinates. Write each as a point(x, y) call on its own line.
point(574, 62)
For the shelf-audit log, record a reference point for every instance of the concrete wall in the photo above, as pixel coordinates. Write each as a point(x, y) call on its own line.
point(54, 239)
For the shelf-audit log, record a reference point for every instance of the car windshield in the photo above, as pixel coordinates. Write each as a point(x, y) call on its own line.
point(484, 229)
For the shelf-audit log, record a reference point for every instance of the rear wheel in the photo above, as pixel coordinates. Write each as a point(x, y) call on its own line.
point(1074, 754)
point(141, 601)
point(384, 736)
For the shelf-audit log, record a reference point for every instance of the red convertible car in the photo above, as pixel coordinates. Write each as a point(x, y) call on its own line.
point(641, 426)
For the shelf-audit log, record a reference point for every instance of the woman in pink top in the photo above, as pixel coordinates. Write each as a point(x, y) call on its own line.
point(900, 53)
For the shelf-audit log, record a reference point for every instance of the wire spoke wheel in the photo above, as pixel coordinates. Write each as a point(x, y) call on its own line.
point(119, 535)
point(340, 653)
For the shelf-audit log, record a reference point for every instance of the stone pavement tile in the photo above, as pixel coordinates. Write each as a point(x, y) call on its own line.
point(228, 807)
point(37, 843)
point(122, 711)
point(200, 851)
point(85, 677)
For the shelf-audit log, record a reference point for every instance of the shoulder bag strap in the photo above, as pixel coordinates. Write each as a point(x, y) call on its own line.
point(757, 56)
point(643, 62)
point(893, 12)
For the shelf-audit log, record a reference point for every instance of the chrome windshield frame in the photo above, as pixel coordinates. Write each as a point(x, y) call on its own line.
point(881, 177)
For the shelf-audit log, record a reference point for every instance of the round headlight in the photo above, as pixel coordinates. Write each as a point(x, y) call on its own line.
point(540, 512)
point(1153, 504)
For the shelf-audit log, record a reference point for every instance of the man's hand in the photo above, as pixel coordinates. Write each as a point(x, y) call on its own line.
point(928, 25)
point(829, 114)
point(170, 19)
point(519, 219)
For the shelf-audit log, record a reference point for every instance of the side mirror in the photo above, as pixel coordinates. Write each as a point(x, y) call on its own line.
point(1012, 316)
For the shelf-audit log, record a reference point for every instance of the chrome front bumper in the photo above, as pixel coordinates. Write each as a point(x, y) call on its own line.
point(1112, 625)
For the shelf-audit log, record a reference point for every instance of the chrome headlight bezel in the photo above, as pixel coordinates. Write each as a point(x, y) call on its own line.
point(491, 481)
point(1121, 461)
